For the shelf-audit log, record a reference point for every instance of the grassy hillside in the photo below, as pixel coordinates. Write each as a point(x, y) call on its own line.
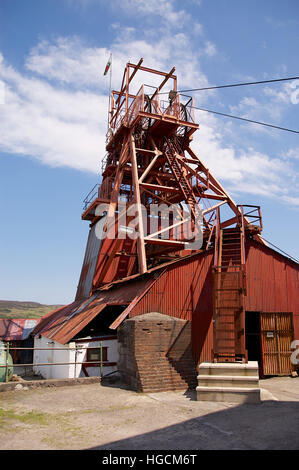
point(15, 309)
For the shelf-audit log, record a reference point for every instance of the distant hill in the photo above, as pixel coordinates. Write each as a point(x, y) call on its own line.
point(16, 309)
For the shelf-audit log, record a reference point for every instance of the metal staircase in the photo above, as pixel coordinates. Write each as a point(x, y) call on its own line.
point(229, 292)
point(183, 183)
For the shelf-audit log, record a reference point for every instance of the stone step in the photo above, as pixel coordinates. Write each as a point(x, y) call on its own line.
point(168, 377)
point(231, 381)
point(166, 389)
point(229, 395)
point(229, 369)
point(163, 373)
point(167, 384)
point(165, 370)
point(164, 364)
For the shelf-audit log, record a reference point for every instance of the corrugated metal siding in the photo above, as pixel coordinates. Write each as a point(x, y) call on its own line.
point(53, 317)
point(272, 282)
point(89, 263)
point(177, 291)
point(65, 323)
point(120, 266)
point(4, 328)
point(65, 329)
point(185, 291)
point(17, 329)
point(276, 337)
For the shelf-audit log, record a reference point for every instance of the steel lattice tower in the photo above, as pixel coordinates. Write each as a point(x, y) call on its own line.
point(149, 162)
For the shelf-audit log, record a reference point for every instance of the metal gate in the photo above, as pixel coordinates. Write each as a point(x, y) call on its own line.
point(277, 333)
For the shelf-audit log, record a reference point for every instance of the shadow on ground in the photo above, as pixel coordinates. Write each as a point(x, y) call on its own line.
point(271, 425)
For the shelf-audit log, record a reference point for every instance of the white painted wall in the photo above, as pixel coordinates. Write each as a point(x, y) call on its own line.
point(112, 356)
point(68, 355)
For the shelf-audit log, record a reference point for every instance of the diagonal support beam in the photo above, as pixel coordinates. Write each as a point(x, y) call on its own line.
point(140, 239)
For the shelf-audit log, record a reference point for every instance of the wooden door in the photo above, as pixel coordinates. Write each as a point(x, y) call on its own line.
point(277, 333)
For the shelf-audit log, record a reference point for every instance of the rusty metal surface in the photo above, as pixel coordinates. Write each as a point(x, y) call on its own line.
point(139, 293)
point(277, 333)
point(229, 316)
point(149, 160)
point(64, 324)
point(272, 282)
point(185, 290)
point(48, 319)
point(89, 263)
point(17, 329)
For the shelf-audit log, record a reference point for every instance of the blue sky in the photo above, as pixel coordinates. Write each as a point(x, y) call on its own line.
point(53, 116)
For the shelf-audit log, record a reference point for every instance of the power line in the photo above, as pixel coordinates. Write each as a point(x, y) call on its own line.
point(289, 256)
point(247, 120)
point(236, 84)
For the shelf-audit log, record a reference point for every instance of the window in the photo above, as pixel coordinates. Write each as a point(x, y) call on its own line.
point(94, 355)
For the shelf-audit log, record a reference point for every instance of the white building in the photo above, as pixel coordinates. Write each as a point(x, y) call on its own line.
point(67, 341)
point(79, 358)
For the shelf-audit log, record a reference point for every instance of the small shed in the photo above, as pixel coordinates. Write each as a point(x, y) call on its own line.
point(67, 341)
point(17, 331)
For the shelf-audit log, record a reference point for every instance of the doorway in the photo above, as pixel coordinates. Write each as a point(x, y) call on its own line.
point(253, 337)
point(268, 338)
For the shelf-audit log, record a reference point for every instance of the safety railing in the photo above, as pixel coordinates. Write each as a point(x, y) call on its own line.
point(95, 363)
point(152, 103)
point(93, 193)
point(252, 214)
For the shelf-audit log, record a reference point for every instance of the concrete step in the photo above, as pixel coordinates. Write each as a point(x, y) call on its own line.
point(168, 377)
point(229, 395)
point(230, 381)
point(229, 369)
point(164, 389)
point(166, 370)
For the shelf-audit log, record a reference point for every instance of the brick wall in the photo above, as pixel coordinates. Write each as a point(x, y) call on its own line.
point(155, 353)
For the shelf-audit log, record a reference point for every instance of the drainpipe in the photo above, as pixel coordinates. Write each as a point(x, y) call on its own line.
point(7, 356)
point(101, 359)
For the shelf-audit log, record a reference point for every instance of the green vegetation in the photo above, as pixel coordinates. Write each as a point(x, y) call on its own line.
point(31, 417)
point(62, 424)
point(15, 309)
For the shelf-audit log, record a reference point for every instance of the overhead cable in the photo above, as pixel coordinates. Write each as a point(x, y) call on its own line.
point(247, 120)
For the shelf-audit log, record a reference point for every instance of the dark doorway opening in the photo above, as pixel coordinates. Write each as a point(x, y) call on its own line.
point(253, 337)
point(100, 324)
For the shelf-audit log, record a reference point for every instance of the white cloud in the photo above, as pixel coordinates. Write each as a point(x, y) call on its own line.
point(2, 92)
point(293, 201)
point(267, 106)
point(58, 127)
point(288, 93)
point(70, 62)
point(57, 110)
point(210, 49)
point(241, 171)
point(165, 9)
point(197, 28)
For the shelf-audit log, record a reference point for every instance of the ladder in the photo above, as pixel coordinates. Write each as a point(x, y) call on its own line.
point(180, 177)
point(229, 292)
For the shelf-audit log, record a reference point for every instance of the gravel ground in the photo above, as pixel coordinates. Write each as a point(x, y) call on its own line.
point(95, 416)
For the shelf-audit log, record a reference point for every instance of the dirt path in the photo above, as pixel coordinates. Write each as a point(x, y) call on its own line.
point(95, 416)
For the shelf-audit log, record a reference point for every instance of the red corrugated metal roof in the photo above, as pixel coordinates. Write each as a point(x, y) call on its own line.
point(15, 329)
point(171, 291)
point(185, 290)
point(63, 324)
point(52, 317)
